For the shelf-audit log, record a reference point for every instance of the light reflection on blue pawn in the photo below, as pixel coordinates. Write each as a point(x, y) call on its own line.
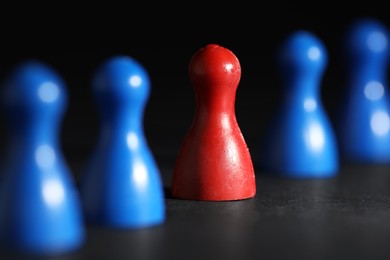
point(121, 186)
point(40, 210)
point(299, 141)
point(363, 123)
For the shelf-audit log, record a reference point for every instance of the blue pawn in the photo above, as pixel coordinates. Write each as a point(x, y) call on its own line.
point(363, 123)
point(299, 141)
point(39, 204)
point(122, 187)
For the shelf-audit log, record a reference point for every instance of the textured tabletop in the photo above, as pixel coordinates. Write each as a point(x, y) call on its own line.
point(347, 217)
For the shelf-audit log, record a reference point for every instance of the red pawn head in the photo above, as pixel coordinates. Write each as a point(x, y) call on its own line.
point(214, 65)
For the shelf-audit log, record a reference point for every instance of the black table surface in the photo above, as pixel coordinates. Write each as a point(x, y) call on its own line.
point(346, 217)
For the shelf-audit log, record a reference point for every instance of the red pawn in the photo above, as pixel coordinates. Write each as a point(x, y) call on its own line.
point(214, 162)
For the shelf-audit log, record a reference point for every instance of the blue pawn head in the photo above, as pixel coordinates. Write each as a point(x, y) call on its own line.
point(367, 41)
point(302, 56)
point(121, 82)
point(34, 93)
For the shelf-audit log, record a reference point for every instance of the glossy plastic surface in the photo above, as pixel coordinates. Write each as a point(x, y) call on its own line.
point(214, 163)
point(363, 126)
point(39, 205)
point(121, 186)
point(300, 141)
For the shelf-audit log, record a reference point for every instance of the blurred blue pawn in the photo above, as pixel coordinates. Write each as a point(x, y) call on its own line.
point(299, 141)
point(363, 126)
point(121, 187)
point(40, 211)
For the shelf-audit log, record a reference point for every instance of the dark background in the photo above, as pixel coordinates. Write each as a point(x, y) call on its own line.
point(74, 40)
point(344, 218)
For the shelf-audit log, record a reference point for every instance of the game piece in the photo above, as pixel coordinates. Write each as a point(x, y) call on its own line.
point(363, 123)
point(122, 187)
point(40, 211)
point(299, 141)
point(214, 163)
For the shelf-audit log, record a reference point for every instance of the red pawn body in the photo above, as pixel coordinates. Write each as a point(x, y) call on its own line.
point(214, 162)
